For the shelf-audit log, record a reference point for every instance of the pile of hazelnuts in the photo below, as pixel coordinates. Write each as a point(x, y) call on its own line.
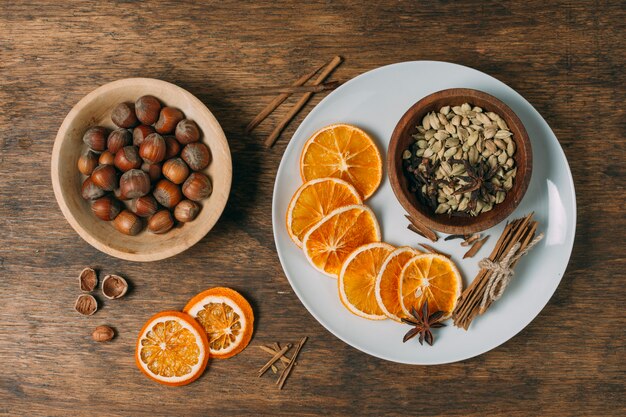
point(147, 168)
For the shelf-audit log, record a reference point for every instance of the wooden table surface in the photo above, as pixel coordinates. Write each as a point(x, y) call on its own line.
point(566, 57)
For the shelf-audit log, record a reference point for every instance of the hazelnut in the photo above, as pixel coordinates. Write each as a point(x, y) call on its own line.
point(118, 139)
point(127, 158)
point(105, 177)
point(88, 279)
point(106, 208)
point(197, 187)
point(87, 163)
point(172, 147)
point(147, 109)
point(128, 223)
point(114, 286)
point(175, 170)
point(160, 222)
point(168, 119)
point(103, 334)
point(153, 170)
point(196, 155)
point(140, 133)
point(152, 149)
point(106, 158)
point(186, 211)
point(167, 193)
point(123, 115)
point(134, 183)
point(96, 138)
point(187, 131)
point(144, 206)
point(86, 304)
point(91, 191)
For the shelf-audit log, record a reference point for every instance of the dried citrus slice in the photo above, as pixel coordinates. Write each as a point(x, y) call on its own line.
point(388, 281)
point(172, 348)
point(327, 244)
point(346, 152)
point(226, 317)
point(314, 200)
point(357, 280)
point(430, 277)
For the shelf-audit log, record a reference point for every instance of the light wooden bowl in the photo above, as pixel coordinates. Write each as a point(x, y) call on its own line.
point(95, 109)
point(402, 138)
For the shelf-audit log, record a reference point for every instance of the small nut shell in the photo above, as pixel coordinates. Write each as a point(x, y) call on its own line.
point(86, 304)
point(197, 187)
point(106, 208)
point(186, 211)
point(114, 286)
point(187, 131)
point(123, 115)
point(127, 158)
point(175, 170)
point(168, 119)
point(96, 138)
point(118, 139)
point(87, 163)
point(88, 279)
point(105, 177)
point(152, 150)
point(147, 109)
point(134, 183)
point(140, 133)
point(160, 222)
point(128, 223)
point(106, 158)
point(103, 334)
point(144, 206)
point(196, 155)
point(167, 193)
point(91, 191)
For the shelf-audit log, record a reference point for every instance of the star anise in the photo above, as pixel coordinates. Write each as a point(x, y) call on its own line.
point(423, 324)
point(478, 182)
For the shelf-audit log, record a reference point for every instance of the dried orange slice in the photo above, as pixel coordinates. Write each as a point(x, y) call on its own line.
point(226, 317)
point(346, 152)
point(430, 277)
point(357, 280)
point(172, 348)
point(388, 281)
point(327, 244)
point(314, 200)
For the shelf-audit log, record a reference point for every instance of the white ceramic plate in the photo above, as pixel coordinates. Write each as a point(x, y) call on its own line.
point(375, 101)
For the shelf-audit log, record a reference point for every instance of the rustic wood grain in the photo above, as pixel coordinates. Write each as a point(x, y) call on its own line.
point(566, 57)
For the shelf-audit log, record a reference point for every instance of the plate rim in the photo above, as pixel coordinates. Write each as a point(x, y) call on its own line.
point(275, 216)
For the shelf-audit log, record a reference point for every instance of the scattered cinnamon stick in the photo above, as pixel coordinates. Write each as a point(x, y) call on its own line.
point(475, 247)
point(276, 357)
point(277, 101)
point(433, 250)
point(421, 229)
point(331, 85)
point(284, 359)
point(285, 374)
point(334, 63)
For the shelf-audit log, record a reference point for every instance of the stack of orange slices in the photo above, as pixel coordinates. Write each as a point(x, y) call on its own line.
point(341, 167)
point(173, 348)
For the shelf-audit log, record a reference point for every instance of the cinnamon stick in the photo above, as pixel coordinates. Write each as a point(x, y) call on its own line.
point(475, 247)
point(334, 63)
point(301, 89)
point(285, 374)
point(276, 357)
point(277, 101)
point(271, 351)
point(422, 229)
point(433, 250)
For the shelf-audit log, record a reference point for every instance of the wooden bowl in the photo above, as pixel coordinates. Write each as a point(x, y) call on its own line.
point(95, 109)
point(402, 139)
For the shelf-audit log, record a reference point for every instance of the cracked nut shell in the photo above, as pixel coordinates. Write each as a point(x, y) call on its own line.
point(86, 304)
point(114, 286)
point(88, 279)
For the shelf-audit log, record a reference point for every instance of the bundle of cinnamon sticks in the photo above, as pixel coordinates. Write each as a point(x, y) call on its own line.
point(317, 85)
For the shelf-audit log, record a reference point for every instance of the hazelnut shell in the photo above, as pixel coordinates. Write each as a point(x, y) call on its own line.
point(96, 138)
point(91, 191)
point(88, 280)
point(86, 304)
point(140, 133)
point(106, 158)
point(144, 206)
point(103, 334)
point(114, 286)
point(134, 183)
point(186, 211)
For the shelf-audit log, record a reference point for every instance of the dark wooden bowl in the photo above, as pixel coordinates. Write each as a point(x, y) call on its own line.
point(402, 139)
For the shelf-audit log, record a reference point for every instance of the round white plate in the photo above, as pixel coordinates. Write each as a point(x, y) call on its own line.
point(375, 101)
